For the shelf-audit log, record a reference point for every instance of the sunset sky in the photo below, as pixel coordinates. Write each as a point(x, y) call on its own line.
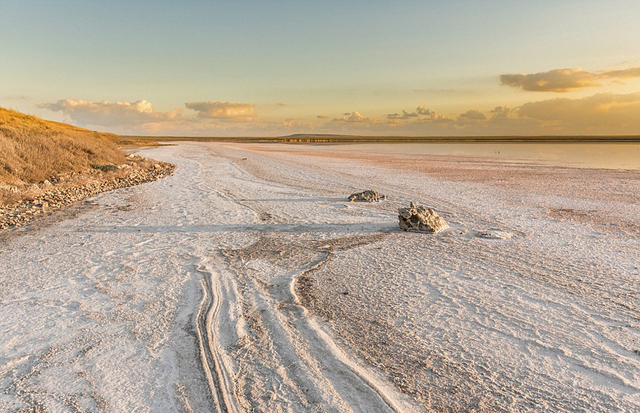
point(225, 68)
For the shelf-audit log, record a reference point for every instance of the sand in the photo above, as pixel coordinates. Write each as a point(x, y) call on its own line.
point(246, 282)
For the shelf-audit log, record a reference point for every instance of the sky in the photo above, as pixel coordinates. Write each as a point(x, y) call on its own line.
point(272, 68)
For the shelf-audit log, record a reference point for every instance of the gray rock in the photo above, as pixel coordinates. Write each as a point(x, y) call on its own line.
point(419, 218)
point(366, 196)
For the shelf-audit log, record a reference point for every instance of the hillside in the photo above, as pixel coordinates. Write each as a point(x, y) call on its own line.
point(33, 150)
point(46, 166)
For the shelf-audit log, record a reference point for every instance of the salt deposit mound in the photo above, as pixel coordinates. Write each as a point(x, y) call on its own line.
point(419, 218)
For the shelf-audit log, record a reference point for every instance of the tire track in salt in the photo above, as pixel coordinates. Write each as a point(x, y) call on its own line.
point(310, 356)
point(206, 323)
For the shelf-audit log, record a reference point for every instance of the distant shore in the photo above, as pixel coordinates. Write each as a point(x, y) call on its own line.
point(303, 138)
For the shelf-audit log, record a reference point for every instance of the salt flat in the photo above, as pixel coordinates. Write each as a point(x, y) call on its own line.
point(245, 282)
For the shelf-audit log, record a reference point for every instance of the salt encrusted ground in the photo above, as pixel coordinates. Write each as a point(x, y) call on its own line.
point(185, 294)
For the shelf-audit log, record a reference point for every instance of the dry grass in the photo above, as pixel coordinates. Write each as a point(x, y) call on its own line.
point(33, 150)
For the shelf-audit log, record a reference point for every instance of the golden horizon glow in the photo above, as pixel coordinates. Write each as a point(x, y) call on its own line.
point(251, 69)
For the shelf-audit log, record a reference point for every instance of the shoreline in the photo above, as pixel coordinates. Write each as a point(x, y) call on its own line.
point(64, 195)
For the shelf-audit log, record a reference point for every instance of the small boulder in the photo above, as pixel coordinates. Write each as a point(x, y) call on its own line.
point(366, 196)
point(419, 218)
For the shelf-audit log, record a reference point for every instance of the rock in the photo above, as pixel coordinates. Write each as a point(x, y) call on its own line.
point(366, 196)
point(419, 218)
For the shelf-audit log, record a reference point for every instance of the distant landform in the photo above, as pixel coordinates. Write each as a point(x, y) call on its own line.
point(334, 138)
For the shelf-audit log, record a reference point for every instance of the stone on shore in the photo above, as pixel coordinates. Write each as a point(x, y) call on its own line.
point(418, 218)
point(366, 196)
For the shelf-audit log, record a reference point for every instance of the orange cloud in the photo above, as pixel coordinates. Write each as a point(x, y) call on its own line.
point(601, 114)
point(471, 116)
point(564, 80)
point(604, 113)
point(239, 112)
point(106, 113)
point(421, 110)
point(352, 117)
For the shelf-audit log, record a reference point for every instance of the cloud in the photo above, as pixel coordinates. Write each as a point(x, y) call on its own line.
point(420, 110)
point(623, 74)
point(212, 119)
point(281, 105)
point(471, 116)
point(600, 114)
point(501, 111)
point(604, 113)
point(106, 113)
point(564, 80)
point(226, 111)
point(295, 122)
point(421, 122)
point(352, 117)
point(405, 115)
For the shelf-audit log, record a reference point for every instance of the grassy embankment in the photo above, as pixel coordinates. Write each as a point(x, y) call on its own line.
point(36, 154)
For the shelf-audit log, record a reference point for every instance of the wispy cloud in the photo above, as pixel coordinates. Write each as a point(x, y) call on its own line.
point(565, 80)
point(239, 112)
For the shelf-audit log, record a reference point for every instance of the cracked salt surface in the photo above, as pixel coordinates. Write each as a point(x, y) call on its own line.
point(246, 282)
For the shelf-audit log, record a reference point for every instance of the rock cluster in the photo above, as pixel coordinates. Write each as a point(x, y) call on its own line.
point(419, 218)
point(57, 198)
point(366, 196)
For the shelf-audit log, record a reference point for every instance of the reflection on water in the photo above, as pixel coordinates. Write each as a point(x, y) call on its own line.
point(577, 155)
